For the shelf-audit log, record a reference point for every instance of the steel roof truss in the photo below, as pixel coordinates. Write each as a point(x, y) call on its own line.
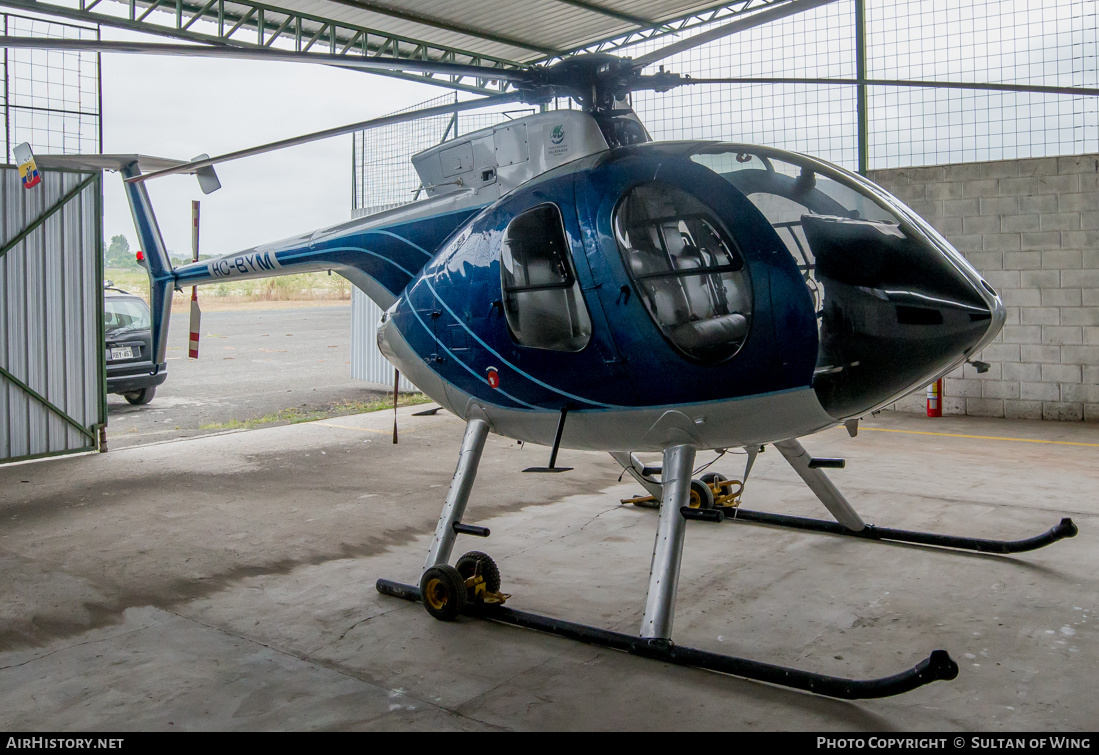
point(444, 25)
point(677, 25)
point(234, 20)
point(198, 14)
point(609, 12)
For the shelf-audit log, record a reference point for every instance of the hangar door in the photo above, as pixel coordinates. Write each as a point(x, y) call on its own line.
point(52, 373)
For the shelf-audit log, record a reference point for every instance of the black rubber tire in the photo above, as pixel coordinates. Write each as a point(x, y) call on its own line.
point(705, 496)
point(144, 396)
point(443, 592)
point(474, 562)
point(711, 477)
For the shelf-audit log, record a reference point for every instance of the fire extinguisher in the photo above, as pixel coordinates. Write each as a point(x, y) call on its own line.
point(935, 399)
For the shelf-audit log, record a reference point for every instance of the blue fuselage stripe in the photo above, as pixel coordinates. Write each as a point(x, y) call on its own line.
point(510, 365)
point(469, 369)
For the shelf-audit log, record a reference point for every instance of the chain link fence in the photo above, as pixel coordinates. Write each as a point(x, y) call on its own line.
point(382, 170)
point(1038, 42)
point(1043, 42)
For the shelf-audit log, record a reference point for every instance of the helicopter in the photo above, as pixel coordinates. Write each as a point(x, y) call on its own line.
point(567, 281)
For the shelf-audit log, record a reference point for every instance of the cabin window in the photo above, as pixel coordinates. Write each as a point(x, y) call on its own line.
point(689, 275)
point(542, 300)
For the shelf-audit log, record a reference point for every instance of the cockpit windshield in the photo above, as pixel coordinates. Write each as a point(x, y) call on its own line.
point(890, 296)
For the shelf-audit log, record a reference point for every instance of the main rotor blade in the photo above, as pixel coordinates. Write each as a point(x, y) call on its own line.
point(387, 120)
point(1038, 89)
point(377, 63)
point(747, 22)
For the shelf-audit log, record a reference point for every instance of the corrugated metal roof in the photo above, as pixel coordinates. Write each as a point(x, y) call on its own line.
point(521, 31)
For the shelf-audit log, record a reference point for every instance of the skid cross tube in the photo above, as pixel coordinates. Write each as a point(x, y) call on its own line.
point(938, 666)
point(1066, 528)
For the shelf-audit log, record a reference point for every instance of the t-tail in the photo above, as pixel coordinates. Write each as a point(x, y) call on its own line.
point(158, 264)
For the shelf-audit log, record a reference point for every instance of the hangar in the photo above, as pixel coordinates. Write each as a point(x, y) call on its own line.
point(232, 576)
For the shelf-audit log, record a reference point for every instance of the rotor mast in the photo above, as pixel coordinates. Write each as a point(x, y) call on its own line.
point(601, 84)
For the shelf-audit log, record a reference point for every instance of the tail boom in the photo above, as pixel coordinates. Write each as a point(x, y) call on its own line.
point(377, 257)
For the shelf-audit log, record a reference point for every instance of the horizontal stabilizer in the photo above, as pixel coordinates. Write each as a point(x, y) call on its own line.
point(207, 178)
point(106, 162)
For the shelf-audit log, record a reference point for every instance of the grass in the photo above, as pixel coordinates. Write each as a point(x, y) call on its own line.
point(300, 287)
point(294, 415)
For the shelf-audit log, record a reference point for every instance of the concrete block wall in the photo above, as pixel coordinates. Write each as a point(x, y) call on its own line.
point(1032, 228)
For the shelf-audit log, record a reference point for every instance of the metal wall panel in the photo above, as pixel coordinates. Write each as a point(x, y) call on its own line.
point(52, 397)
point(367, 362)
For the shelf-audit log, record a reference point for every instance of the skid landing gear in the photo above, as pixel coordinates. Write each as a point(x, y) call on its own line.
point(939, 666)
point(472, 587)
point(727, 494)
point(1065, 528)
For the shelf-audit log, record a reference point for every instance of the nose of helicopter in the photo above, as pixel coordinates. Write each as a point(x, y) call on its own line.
point(897, 312)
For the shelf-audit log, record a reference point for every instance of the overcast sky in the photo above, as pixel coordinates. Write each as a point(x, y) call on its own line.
point(182, 107)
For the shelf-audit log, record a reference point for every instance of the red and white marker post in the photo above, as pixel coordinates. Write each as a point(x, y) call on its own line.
point(196, 313)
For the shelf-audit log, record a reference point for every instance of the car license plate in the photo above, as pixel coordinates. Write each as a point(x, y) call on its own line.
point(121, 352)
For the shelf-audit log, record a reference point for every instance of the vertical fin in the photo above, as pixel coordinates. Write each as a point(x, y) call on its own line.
point(161, 276)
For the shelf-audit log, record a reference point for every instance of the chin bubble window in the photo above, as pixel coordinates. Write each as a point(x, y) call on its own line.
point(542, 299)
point(690, 278)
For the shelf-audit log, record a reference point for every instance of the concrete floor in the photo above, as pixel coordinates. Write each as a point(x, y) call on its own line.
point(255, 362)
point(227, 583)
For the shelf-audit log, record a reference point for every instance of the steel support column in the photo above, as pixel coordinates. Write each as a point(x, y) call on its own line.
point(861, 98)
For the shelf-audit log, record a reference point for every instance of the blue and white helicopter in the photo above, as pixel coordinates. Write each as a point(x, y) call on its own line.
point(569, 282)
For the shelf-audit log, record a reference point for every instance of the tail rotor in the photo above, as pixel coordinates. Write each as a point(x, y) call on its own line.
point(196, 313)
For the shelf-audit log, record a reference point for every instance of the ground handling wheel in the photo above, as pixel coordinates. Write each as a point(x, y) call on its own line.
point(482, 579)
point(476, 564)
point(702, 497)
point(726, 492)
point(443, 591)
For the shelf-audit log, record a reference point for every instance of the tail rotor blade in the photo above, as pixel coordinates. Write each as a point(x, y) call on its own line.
point(196, 324)
point(196, 313)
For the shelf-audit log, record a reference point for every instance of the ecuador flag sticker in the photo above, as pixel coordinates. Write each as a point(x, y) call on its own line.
point(28, 171)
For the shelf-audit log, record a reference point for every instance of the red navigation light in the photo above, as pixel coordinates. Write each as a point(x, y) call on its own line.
point(140, 256)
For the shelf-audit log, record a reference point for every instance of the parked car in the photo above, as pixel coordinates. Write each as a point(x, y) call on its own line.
point(130, 368)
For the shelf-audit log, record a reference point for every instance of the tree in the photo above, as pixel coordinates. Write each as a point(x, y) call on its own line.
point(118, 254)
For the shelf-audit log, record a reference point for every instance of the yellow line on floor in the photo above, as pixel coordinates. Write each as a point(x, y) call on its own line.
point(981, 437)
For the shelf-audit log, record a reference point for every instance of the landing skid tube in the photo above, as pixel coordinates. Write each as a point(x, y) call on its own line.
point(1066, 528)
point(447, 590)
point(848, 522)
point(938, 666)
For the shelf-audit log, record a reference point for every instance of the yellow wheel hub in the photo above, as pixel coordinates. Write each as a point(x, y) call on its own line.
point(435, 594)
